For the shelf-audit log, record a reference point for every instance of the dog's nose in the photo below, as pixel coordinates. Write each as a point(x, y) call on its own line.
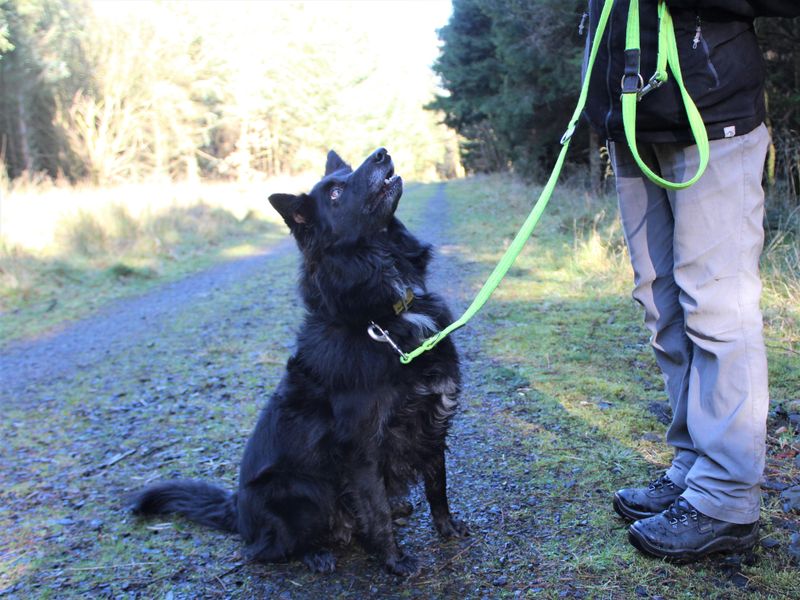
point(380, 155)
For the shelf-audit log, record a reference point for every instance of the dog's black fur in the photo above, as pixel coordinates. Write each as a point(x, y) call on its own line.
point(349, 427)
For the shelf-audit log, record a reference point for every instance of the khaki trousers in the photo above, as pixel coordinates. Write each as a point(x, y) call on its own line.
point(695, 255)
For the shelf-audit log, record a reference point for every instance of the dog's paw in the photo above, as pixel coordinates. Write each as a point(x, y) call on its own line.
point(405, 565)
point(450, 528)
point(400, 507)
point(321, 561)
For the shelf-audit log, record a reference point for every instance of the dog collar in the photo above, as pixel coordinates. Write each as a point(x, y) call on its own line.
point(404, 303)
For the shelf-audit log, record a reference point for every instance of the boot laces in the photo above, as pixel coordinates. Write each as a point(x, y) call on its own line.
point(661, 482)
point(680, 512)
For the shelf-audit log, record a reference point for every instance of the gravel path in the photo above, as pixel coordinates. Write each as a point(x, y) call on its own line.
point(118, 329)
point(169, 384)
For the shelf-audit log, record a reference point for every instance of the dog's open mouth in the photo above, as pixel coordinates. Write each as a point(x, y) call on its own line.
point(388, 194)
point(392, 185)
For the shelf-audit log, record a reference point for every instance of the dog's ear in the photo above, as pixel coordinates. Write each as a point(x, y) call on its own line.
point(264, 474)
point(335, 163)
point(295, 210)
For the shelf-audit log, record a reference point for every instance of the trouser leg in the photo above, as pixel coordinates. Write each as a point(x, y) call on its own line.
point(718, 238)
point(648, 225)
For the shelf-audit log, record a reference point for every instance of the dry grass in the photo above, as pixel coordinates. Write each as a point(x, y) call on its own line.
point(65, 250)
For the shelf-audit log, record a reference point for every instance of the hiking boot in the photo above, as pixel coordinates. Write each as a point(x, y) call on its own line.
point(683, 534)
point(640, 503)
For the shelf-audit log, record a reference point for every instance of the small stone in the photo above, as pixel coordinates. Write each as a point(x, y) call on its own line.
point(95, 524)
point(740, 581)
point(790, 498)
point(641, 591)
point(794, 547)
point(769, 543)
point(774, 484)
point(500, 581)
point(652, 436)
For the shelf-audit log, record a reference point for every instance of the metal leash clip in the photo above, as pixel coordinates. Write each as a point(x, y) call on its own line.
point(379, 334)
point(653, 84)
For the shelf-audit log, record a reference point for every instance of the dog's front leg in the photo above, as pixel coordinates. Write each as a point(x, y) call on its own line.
point(356, 435)
point(436, 493)
point(375, 518)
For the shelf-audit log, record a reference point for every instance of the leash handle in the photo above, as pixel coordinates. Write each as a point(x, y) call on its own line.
point(518, 243)
point(632, 94)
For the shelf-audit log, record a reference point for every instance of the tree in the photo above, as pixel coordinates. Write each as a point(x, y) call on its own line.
point(780, 41)
point(512, 72)
point(42, 60)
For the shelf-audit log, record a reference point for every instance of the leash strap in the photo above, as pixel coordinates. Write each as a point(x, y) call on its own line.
point(526, 230)
point(633, 90)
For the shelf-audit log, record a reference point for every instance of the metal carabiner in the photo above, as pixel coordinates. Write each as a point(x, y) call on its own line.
point(379, 334)
point(653, 84)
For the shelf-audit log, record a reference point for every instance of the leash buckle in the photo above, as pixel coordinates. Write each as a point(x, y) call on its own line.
point(632, 84)
point(632, 80)
point(653, 84)
point(379, 334)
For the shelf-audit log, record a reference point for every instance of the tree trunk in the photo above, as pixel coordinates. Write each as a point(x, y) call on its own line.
point(22, 126)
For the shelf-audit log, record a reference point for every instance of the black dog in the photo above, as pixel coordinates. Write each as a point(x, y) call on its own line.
point(349, 427)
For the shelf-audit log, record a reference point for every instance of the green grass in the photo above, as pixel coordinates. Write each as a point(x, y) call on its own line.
point(564, 322)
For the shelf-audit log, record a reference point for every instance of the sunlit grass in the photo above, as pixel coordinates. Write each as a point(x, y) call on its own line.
point(563, 321)
point(64, 251)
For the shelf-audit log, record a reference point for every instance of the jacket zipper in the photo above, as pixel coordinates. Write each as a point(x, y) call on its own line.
point(699, 40)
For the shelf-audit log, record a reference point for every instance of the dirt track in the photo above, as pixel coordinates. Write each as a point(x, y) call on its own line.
point(174, 378)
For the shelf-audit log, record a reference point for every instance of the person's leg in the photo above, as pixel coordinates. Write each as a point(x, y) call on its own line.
point(648, 225)
point(718, 238)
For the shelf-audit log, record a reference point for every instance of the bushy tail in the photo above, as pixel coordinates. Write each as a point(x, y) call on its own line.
point(197, 501)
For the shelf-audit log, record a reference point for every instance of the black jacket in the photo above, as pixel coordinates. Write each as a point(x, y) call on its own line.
point(722, 68)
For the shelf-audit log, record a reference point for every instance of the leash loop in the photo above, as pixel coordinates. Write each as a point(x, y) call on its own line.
point(667, 57)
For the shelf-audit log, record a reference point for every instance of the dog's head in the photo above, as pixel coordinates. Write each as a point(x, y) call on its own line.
point(345, 205)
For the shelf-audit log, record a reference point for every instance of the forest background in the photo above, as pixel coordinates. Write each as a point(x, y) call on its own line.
point(237, 97)
point(117, 91)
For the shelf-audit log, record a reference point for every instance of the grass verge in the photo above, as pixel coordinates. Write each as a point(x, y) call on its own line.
point(583, 407)
point(64, 253)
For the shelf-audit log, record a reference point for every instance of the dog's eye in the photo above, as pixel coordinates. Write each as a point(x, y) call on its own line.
point(335, 193)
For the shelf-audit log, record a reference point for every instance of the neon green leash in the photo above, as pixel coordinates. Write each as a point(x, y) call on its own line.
point(633, 90)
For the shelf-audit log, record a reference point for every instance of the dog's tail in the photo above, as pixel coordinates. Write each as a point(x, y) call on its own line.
point(197, 501)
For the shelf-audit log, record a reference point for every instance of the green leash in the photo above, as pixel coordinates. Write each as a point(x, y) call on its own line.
point(633, 90)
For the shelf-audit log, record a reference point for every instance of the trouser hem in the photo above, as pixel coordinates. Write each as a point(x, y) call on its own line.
point(712, 509)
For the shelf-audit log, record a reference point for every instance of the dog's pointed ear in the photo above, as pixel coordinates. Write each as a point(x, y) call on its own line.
point(264, 474)
point(335, 163)
point(295, 210)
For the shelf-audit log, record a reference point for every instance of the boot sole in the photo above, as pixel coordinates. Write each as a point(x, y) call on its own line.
point(725, 544)
point(631, 514)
